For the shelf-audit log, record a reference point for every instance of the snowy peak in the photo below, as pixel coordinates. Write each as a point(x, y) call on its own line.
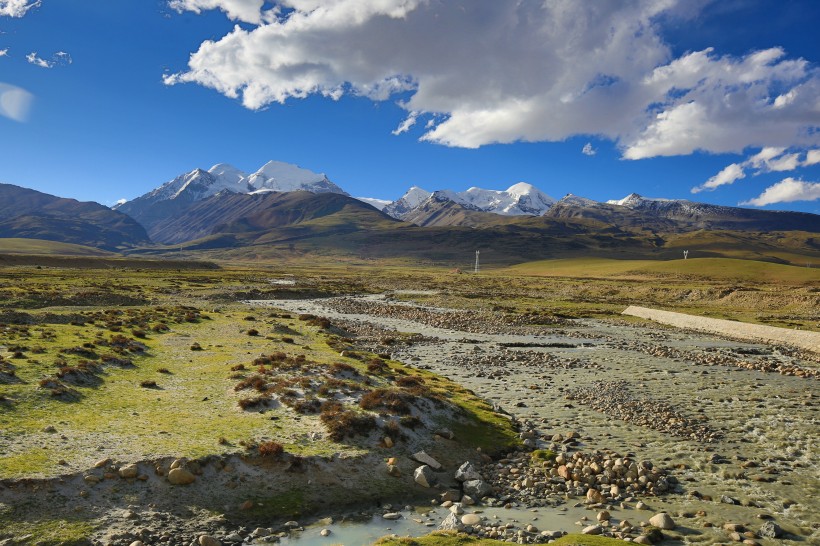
point(227, 174)
point(414, 197)
point(279, 176)
point(518, 200)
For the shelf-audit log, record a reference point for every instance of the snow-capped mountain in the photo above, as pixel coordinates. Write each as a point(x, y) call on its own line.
point(678, 214)
point(176, 195)
point(279, 176)
point(518, 200)
point(379, 204)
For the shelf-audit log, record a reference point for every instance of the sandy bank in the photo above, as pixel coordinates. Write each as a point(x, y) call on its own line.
point(739, 330)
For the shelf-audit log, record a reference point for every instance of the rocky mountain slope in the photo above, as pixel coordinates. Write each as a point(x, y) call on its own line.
point(30, 214)
point(175, 196)
point(680, 215)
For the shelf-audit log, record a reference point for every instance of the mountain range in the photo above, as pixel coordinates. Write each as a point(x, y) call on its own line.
point(282, 208)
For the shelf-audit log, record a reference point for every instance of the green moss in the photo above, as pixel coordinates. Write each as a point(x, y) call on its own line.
point(587, 540)
point(543, 455)
point(54, 532)
point(287, 504)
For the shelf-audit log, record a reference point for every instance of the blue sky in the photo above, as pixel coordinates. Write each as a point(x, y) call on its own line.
point(719, 98)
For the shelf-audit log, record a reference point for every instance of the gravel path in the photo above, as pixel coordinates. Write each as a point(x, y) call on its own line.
point(739, 330)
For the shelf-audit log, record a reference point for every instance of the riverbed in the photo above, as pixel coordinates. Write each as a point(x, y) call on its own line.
point(741, 442)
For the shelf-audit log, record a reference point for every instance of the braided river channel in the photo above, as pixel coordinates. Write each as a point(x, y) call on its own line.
point(735, 425)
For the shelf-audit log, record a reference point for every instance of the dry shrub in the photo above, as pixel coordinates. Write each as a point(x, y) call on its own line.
point(237, 368)
point(256, 382)
point(253, 332)
point(342, 423)
point(410, 421)
point(271, 449)
point(391, 400)
point(148, 384)
point(248, 403)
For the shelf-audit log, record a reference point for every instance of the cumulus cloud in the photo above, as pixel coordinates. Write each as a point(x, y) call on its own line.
point(61, 58)
point(15, 102)
point(16, 8)
point(769, 159)
point(248, 11)
point(727, 176)
point(4, 52)
point(786, 191)
point(495, 72)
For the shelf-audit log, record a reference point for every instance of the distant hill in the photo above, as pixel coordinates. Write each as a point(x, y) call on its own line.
point(676, 215)
point(30, 214)
point(250, 216)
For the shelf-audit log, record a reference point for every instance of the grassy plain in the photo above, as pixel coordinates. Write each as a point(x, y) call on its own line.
point(139, 363)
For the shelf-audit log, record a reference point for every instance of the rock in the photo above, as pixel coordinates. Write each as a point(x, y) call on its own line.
point(50, 429)
point(467, 500)
point(641, 539)
point(450, 523)
point(470, 519)
point(90, 479)
point(456, 509)
point(424, 476)
point(467, 472)
point(593, 495)
point(733, 527)
point(770, 530)
point(208, 540)
point(653, 534)
point(477, 489)
point(663, 521)
point(325, 532)
point(641, 506)
point(181, 476)
point(102, 462)
point(452, 495)
point(592, 530)
point(603, 515)
point(725, 499)
point(393, 470)
point(423, 458)
point(247, 505)
point(391, 515)
point(129, 471)
point(388, 441)
point(137, 543)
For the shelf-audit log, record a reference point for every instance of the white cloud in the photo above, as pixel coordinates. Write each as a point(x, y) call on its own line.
point(249, 11)
point(727, 176)
point(769, 159)
point(588, 149)
point(121, 201)
point(4, 52)
point(15, 102)
point(16, 8)
point(408, 122)
point(786, 191)
point(61, 58)
point(494, 72)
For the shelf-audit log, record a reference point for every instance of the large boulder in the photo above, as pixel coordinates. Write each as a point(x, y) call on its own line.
point(424, 476)
point(770, 530)
point(423, 458)
point(477, 489)
point(467, 472)
point(181, 476)
point(662, 521)
point(451, 523)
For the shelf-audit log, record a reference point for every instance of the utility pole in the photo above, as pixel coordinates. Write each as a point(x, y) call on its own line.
point(476, 261)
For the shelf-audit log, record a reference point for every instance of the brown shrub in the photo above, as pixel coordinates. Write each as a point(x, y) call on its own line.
point(391, 400)
point(342, 423)
point(247, 403)
point(271, 449)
